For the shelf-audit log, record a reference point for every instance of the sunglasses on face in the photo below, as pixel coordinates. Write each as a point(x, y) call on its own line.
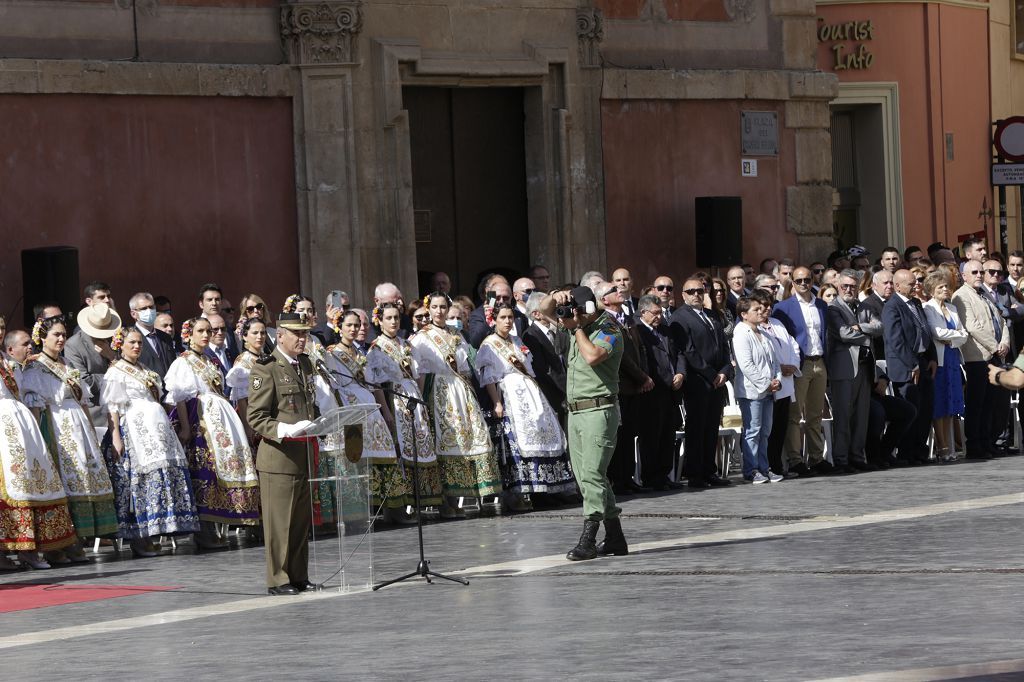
point(425, 316)
point(995, 273)
point(694, 292)
point(920, 280)
point(664, 287)
point(818, 271)
point(527, 292)
point(254, 308)
point(849, 287)
point(802, 280)
point(974, 272)
point(771, 287)
point(216, 330)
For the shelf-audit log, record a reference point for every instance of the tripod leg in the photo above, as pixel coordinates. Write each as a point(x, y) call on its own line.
point(414, 574)
point(462, 581)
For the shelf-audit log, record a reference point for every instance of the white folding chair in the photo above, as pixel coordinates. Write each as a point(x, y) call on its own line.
point(729, 436)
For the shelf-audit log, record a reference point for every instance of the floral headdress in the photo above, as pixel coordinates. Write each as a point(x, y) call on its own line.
point(186, 331)
point(291, 302)
point(37, 332)
point(118, 339)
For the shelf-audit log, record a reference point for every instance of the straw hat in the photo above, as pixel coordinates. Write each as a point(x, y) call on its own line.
point(99, 321)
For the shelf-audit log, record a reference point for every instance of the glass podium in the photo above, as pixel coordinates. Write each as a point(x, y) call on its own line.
point(341, 551)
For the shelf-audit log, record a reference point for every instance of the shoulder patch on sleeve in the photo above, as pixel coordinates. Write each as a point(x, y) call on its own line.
point(607, 337)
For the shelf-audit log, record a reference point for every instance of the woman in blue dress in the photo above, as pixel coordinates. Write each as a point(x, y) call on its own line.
point(948, 334)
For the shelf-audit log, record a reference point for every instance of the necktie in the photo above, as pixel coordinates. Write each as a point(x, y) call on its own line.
point(151, 337)
point(915, 310)
point(993, 310)
point(705, 319)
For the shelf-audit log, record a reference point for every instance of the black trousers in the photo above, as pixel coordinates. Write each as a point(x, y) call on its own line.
point(979, 398)
point(921, 395)
point(888, 420)
point(620, 470)
point(703, 418)
point(1000, 416)
point(777, 438)
point(658, 420)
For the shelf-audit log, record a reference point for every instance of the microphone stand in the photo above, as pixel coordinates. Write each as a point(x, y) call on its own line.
point(423, 567)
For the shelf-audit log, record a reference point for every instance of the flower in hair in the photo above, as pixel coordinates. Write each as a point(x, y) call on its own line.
point(290, 303)
point(186, 331)
point(37, 332)
point(118, 340)
point(375, 318)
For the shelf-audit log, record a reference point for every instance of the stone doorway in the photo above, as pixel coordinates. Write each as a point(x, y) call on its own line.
point(468, 157)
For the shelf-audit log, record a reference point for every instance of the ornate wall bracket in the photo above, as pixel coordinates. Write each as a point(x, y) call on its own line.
point(321, 32)
point(589, 32)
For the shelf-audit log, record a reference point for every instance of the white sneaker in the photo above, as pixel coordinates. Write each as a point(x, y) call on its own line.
point(774, 477)
point(759, 478)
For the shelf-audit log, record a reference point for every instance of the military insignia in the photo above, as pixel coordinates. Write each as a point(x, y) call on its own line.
point(286, 379)
point(256, 383)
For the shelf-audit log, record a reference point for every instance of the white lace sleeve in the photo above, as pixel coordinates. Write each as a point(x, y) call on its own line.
point(421, 355)
point(462, 358)
point(489, 367)
point(114, 394)
point(237, 380)
point(180, 382)
point(33, 388)
point(376, 370)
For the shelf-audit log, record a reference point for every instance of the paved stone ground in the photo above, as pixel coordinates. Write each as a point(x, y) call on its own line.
point(776, 582)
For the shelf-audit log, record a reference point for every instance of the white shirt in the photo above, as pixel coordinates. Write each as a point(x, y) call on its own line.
point(812, 320)
point(222, 354)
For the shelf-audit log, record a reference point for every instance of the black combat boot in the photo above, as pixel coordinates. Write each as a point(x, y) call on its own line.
point(614, 541)
point(586, 548)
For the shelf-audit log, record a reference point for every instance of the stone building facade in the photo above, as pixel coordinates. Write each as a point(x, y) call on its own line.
point(279, 145)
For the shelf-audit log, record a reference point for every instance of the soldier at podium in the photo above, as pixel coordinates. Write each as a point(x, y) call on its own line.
point(281, 405)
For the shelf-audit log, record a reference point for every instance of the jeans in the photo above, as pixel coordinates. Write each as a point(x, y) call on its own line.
point(757, 426)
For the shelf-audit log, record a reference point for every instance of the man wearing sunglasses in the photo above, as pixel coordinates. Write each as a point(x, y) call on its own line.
point(1011, 310)
point(987, 341)
point(663, 289)
point(804, 316)
point(701, 339)
point(521, 290)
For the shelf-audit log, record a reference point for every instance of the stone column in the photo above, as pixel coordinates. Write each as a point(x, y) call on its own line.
point(320, 39)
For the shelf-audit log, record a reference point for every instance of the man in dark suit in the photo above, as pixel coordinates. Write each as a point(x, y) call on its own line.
point(735, 280)
point(705, 349)
point(479, 328)
point(664, 289)
point(521, 290)
point(218, 350)
point(624, 281)
point(910, 362)
point(659, 407)
point(210, 300)
point(851, 374)
point(633, 381)
point(158, 346)
point(803, 315)
point(871, 307)
point(548, 346)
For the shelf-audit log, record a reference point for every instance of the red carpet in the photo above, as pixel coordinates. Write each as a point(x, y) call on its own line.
point(19, 597)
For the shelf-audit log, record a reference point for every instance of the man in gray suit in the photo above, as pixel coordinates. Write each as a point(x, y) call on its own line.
point(851, 373)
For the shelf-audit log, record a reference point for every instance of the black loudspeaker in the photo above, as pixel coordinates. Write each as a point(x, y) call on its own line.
point(50, 273)
point(718, 231)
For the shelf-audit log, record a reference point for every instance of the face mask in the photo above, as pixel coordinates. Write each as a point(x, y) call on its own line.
point(148, 316)
point(455, 324)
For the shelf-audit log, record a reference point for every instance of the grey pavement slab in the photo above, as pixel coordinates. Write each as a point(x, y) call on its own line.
point(939, 590)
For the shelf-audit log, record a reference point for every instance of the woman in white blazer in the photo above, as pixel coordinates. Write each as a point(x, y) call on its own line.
point(758, 378)
point(787, 352)
point(948, 334)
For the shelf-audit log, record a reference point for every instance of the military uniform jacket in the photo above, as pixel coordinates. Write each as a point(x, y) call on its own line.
point(279, 394)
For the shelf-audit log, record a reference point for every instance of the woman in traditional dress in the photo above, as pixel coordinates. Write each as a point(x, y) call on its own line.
point(34, 514)
point(524, 429)
point(59, 399)
point(147, 465)
point(254, 337)
point(461, 441)
point(219, 458)
point(387, 487)
point(390, 362)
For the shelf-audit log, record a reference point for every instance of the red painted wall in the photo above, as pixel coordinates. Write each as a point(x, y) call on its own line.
point(660, 155)
point(158, 193)
point(938, 54)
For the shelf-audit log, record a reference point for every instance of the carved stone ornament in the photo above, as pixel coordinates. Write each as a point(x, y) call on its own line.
point(321, 32)
point(589, 32)
point(741, 10)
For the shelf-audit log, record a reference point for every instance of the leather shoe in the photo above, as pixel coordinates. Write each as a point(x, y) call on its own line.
point(304, 586)
point(632, 487)
point(716, 481)
point(695, 483)
point(863, 466)
point(282, 591)
point(801, 470)
point(822, 467)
